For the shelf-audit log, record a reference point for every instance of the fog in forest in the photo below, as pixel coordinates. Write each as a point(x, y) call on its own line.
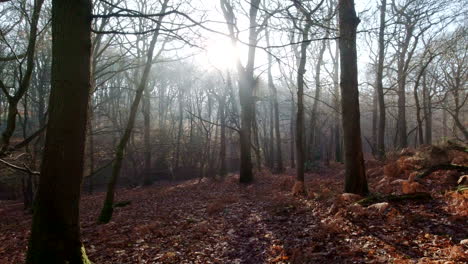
point(143, 114)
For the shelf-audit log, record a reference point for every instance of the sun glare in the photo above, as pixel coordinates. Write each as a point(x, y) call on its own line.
point(220, 53)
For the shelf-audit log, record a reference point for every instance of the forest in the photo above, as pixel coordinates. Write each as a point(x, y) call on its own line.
point(233, 131)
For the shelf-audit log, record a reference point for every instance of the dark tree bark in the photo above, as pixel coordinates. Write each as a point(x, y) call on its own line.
point(379, 85)
point(90, 149)
point(355, 177)
point(55, 233)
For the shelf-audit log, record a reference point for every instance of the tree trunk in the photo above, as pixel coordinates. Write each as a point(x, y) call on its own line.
point(180, 130)
point(427, 111)
point(374, 123)
point(291, 132)
point(90, 149)
point(336, 104)
point(270, 145)
point(246, 86)
point(313, 119)
point(299, 187)
point(256, 145)
point(379, 85)
point(402, 71)
point(55, 233)
point(355, 177)
point(222, 147)
point(247, 102)
point(147, 136)
point(108, 207)
point(419, 127)
point(444, 123)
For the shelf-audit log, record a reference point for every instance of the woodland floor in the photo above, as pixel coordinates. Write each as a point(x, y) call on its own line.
point(224, 222)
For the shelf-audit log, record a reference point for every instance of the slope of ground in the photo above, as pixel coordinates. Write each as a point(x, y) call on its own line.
point(224, 222)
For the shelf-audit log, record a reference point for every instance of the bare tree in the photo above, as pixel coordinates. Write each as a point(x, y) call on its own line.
point(277, 155)
point(108, 207)
point(246, 81)
point(355, 177)
point(24, 80)
point(380, 148)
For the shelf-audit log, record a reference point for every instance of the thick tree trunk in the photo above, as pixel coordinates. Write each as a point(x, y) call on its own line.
point(108, 206)
point(355, 177)
point(247, 108)
point(246, 86)
point(55, 233)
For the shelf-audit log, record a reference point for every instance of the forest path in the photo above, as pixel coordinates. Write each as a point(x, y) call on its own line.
point(224, 222)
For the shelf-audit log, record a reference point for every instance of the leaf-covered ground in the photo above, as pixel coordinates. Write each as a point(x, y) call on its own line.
point(224, 222)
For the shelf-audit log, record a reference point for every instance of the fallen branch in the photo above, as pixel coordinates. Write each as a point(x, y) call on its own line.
point(460, 168)
point(26, 169)
point(393, 198)
point(23, 169)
